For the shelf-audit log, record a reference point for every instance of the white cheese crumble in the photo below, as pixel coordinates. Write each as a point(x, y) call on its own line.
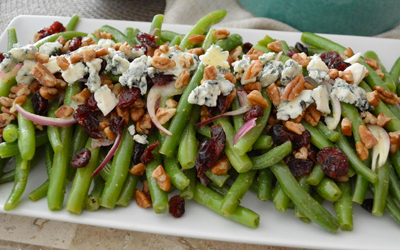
point(94, 82)
point(321, 97)
point(317, 69)
point(292, 109)
point(240, 66)
point(207, 93)
point(216, 57)
point(266, 57)
point(291, 70)
point(350, 93)
point(74, 72)
point(354, 58)
point(132, 130)
point(24, 74)
point(16, 55)
point(52, 65)
point(50, 48)
point(271, 72)
point(142, 139)
point(175, 55)
point(135, 75)
point(106, 100)
point(359, 71)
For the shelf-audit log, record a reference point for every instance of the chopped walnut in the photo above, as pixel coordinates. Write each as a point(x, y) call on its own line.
point(210, 73)
point(312, 115)
point(348, 76)
point(229, 76)
point(171, 103)
point(110, 135)
point(222, 166)
point(48, 93)
point(255, 98)
point(82, 96)
point(106, 80)
point(383, 120)
point(368, 117)
point(372, 63)
point(272, 120)
point(302, 59)
point(230, 97)
point(234, 54)
point(146, 189)
point(165, 114)
point(293, 89)
point(204, 114)
point(196, 51)
point(64, 112)
point(34, 86)
point(348, 52)
point(138, 169)
point(126, 49)
point(6, 119)
point(162, 63)
point(76, 57)
point(362, 151)
point(106, 35)
point(367, 137)
point(275, 46)
point(86, 41)
point(301, 154)
point(139, 103)
point(162, 178)
point(333, 73)
point(101, 52)
point(221, 34)
point(273, 94)
point(182, 79)
point(346, 126)
point(373, 98)
point(254, 54)
point(61, 40)
point(196, 39)
point(186, 61)
point(20, 89)
point(117, 89)
point(6, 102)
point(386, 95)
point(136, 113)
point(142, 200)
point(252, 86)
point(104, 124)
point(380, 73)
point(61, 84)
point(299, 118)
point(43, 75)
point(297, 128)
point(88, 55)
point(42, 58)
point(124, 113)
point(20, 100)
point(62, 62)
point(144, 125)
point(253, 70)
point(394, 141)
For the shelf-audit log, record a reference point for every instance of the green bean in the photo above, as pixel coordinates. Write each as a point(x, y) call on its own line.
point(155, 27)
point(10, 133)
point(10, 149)
point(21, 178)
point(78, 142)
point(119, 171)
point(317, 138)
point(297, 212)
point(373, 78)
point(355, 162)
point(213, 201)
point(12, 38)
point(68, 35)
point(272, 157)
point(393, 209)
point(265, 41)
point(175, 41)
point(172, 168)
point(26, 131)
point(332, 135)
point(188, 192)
point(127, 191)
point(230, 42)
point(285, 47)
point(263, 142)
point(83, 179)
point(317, 197)
point(202, 26)
point(93, 200)
point(238, 121)
point(3, 164)
point(244, 144)
point(208, 40)
point(7, 82)
point(395, 72)
point(188, 148)
point(265, 184)
point(94, 37)
point(183, 110)
point(360, 189)
point(107, 168)
point(219, 190)
point(344, 207)
point(40, 192)
point(321, 42)
point(241, 163)
point(394, 158)
point(204, 130)
point(7, 177)
point(310, 207)
point(261, 48)
point(58, 178)
point(117, 35)
point(280, 199)
point(316, 175)
point(312, 51)
point(381, 190)
point(328, 189)
point(389, 81)
point(218, 180)
point(394, 183)
point(72, 23)
point(168, 36)
point(130, 34)
point(236, 192)
point(53, 132)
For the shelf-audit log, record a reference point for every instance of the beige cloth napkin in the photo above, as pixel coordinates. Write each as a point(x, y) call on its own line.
point(189, 11)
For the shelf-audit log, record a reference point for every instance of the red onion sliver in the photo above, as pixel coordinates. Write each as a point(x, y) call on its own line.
point(13, 73)
point(44, 120)
point(109, 155)
point(244, 129)
point(155, 93)
point(278, 56)
point(242, 96)
point(239, 111)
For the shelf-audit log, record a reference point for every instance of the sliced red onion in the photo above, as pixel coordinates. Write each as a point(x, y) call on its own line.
point(13, 73)
point(153, 31)
point(43, 120)
point(109, 155)
point(155, 93)
point(244, 129)
point(380, 151)
point(242, 96)
point(278, 56)
point(239, 111)
point(312, 81)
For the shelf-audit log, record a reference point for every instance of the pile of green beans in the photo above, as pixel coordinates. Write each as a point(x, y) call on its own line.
point(255, 163)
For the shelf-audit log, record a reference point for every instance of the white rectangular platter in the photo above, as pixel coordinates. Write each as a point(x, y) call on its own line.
point(199, 222)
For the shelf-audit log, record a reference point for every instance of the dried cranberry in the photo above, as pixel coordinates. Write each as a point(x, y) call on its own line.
point(330, 58)
point(160, 79)
point(75, 43)
point(246, 47)
point(291, 52)
point(367, 205)
point(301, 48)
point(341, 66)
point(81, 158)
point(334, 163)
point(147, 155)
point(138, 151)
point(56, 27)
point(147, 41)
point(255, 111)
point(280, 134)
point(176, 206)
point(92, 103)
point(302, 140)
point(128, 97)
point(117, 125)
point(312, 153)
point(1, 57)
point(103, 66)
point(210, 150)
point(300, 167)
point(87, 118)
point(39, 104)
point(222, 105)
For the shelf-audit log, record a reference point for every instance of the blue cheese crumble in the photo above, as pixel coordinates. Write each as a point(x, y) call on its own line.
point(16, 55)
point(291, 70)
point(24, 74)
point(74, 72)
point(317, 69)
point(50, 48)
point(240, 66)
point(135, 75)
point(321, 97)
point(350, 93)
point(174, 54)
point(271, 72)
point(292, 109)
point(94, 82)
point(207, 93)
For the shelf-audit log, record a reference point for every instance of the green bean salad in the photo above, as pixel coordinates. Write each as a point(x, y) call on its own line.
point(130, 115)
